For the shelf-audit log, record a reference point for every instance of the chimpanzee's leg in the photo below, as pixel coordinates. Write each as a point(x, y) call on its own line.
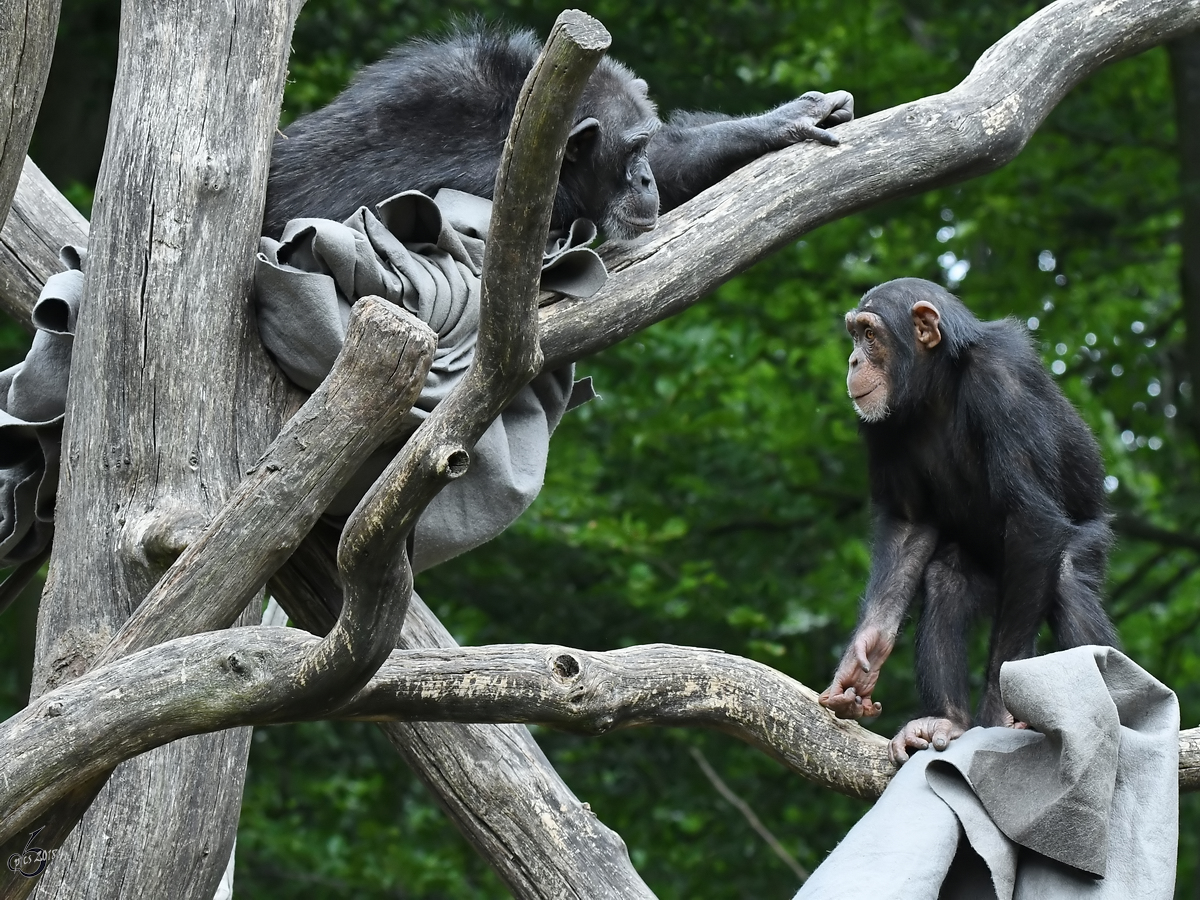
point(956, 592)
point(1076, 615)
point(1033, 548)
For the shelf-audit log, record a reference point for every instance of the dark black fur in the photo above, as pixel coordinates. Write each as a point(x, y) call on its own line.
point(435, 114)
point(981, 447)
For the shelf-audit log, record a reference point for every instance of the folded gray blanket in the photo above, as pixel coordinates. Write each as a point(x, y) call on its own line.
point(425, 255)
point(1083, 805)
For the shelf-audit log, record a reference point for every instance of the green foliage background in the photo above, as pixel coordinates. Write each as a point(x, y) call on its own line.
point(715, 496)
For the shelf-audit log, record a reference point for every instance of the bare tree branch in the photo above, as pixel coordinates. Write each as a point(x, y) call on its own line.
point(748, 814)
point(39, 224)
point(171, 399)
point(975, 128)
point(972, 129)
point(1129, 525)
point(240, 677)
point(363, 401)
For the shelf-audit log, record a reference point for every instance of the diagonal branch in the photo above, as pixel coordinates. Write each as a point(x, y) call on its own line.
point(40, 223)
point(27, 31)
point(975, 128)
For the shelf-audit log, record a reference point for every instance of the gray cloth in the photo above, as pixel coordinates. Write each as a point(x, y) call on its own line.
point(33, 397)
point(426, 256)
point(1083, 805)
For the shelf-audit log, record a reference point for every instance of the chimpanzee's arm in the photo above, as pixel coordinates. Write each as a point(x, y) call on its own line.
point(899, 556)
point(694, 151)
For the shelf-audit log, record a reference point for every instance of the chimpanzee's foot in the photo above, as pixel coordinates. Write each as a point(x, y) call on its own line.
point(930, 731)
point(1010, 721)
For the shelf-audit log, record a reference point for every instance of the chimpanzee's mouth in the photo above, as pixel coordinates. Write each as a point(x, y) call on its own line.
point(642, 225)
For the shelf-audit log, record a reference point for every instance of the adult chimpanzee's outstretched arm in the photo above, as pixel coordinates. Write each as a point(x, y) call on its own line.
point(694, 151)
point(899, 556)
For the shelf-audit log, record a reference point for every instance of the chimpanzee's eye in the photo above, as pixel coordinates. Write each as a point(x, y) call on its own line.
point(869, 334)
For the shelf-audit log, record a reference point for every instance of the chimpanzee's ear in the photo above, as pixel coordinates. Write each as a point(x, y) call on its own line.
point(581, 138)
point(925, 320)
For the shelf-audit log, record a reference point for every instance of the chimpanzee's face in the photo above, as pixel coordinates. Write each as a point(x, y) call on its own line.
point(867, 380)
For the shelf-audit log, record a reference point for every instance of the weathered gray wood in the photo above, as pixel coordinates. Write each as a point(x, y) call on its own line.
point(497, 786)
point(171, 399)
point(655, 684)
point(247, 676)
point(492, 780)
point(362, 403)
point(507, 355)
point(495, 783)
point(27, 30)
point(375, 380)
point(1189, 759)
point(386, 357)
point(975, 128)
point(40, 222)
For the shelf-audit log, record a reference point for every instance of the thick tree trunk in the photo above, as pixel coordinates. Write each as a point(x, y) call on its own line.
point(27, 29)
point(172, 399)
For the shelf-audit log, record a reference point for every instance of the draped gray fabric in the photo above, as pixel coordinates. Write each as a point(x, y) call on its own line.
point(1083, 805)
point(425, 255)
point(33, 397)
point(420, 253)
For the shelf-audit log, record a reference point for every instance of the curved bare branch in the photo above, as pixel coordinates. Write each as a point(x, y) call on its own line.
point(242, 677)
point(974, 128)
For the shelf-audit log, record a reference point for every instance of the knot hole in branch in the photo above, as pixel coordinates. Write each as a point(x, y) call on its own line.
point(456, 464)
point(566, 666)
point(236, 665)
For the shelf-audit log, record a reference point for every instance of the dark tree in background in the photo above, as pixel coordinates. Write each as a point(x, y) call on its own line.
point(716, 495)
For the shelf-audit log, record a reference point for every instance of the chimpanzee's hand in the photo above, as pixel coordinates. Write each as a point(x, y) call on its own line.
point(930, 731)
point(849, 697)
point(807, 117)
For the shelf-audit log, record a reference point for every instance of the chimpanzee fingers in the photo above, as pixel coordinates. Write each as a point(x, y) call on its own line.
point(807, 130)
point(919, 734)
point(944, 731)
point(839, 701)
point(898, 747)
point(845, 703)
point(841, 108)
point(860, 654)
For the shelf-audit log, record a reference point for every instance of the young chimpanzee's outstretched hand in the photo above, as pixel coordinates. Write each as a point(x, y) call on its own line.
point(849, 697)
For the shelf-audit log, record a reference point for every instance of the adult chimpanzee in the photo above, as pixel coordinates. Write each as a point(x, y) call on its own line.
point(988, 494)
point(435, 114)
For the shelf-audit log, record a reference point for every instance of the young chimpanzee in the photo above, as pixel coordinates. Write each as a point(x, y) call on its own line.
point(988, 494)
point(436, 114)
